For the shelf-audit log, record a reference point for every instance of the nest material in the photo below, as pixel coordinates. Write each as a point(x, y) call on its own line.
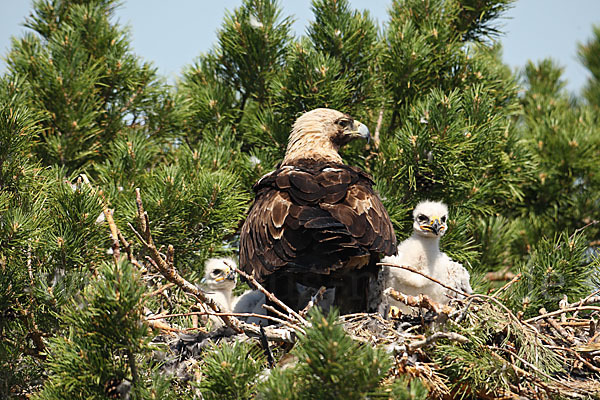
point(476, 348)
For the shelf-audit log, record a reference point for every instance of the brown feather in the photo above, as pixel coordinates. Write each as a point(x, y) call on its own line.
point(314, 219)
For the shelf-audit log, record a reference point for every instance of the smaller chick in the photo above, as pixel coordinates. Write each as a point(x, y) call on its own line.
point(421, 251)
point(251, 301)
point(220, 280)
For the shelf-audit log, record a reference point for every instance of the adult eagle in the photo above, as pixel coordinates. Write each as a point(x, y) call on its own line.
point(318, 222)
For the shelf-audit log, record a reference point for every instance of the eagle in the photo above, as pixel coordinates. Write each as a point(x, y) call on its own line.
point(421, 251)
point(317, 221)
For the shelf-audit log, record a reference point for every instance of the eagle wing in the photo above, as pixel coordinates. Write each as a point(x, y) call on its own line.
point(314, 219)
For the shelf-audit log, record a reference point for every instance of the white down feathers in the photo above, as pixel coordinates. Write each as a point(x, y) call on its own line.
point(421, 252)
point(218, 283)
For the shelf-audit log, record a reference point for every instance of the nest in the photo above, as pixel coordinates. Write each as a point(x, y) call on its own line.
point(474, 347)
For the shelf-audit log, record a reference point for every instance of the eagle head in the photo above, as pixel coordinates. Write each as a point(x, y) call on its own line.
point(430, 219)
point(319, 134)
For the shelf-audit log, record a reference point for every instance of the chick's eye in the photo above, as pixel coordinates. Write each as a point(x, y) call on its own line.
point(217, 272)
point(343, 123)
point(422, 218)
point(443, 219)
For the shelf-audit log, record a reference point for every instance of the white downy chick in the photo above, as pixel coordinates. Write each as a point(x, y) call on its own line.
point(219, 281)
point(251, 301)
point(421, 251)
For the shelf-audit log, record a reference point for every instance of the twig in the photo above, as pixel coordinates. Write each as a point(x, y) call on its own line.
point(463, 312)
point(229, 314)
point(503, 275)
point(562, 311)
point(574, 352)
point(522, 372)
point(269, 295)
point(561, 331)
point(514, 279)
point(407, 268)
point(277, 312)
point(108, 217)
point(421, 300)
point(453, 336)
point(533, 367)
point(592, 298)
point(313, 300)
point(129, 251)
point(378, 127)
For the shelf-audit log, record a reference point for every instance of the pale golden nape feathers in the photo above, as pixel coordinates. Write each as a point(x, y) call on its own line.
point(317, 135)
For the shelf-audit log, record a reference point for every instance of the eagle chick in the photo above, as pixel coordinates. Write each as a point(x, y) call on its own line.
point(219, 281)
point(421, 251)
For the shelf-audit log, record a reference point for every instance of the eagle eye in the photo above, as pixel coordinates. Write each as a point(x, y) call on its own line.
point(422, 218)
point(343, 122)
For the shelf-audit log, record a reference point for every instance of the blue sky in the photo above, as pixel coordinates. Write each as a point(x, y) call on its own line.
point(172, 33)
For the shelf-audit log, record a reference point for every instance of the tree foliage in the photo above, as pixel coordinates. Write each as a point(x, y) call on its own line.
point(84, 122)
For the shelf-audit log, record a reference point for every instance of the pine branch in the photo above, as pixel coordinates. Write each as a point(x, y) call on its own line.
point(168, 269)
point(165, 266)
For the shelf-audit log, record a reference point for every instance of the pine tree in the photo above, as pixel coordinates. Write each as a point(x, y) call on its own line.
point(588, 55)
point(84, 123)
point(448, 131)
point(75, 100)
point(80, 74)
point(564, 142)
point(330, 366)
point(94, 360)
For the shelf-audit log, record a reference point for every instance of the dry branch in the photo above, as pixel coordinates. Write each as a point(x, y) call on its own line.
point(165, 266)
point(314, 300)
point(114, 235)
point(270, 295)
point(422, 301)
point(407, 268)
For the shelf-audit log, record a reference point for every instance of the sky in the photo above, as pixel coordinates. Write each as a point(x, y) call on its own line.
point(173, 33)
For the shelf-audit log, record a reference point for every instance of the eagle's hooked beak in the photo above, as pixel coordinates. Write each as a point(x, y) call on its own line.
point(362, 131)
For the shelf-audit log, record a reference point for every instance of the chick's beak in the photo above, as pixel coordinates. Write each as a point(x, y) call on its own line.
point(435, 227)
